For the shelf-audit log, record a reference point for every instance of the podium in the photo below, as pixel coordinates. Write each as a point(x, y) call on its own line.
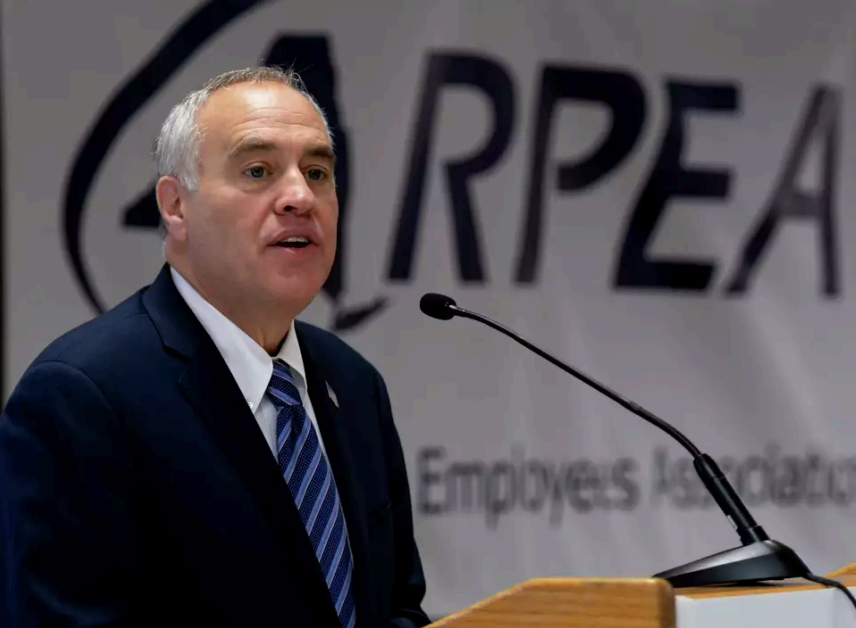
point(653, 603)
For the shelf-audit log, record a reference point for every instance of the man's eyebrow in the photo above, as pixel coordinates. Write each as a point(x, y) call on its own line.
point(321, 150)
point(257, 144)
point(251, 145)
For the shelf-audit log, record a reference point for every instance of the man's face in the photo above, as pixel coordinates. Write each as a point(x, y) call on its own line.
point(265, 189)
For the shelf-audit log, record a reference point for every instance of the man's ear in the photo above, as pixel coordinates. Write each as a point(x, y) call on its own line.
point(171, 204)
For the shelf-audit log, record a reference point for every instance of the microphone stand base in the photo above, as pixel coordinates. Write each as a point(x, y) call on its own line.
point(756, 562)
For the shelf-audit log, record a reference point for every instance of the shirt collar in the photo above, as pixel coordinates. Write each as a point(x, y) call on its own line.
point(249, 363)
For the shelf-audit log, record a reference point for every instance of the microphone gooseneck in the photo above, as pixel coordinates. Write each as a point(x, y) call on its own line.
point(758, 559)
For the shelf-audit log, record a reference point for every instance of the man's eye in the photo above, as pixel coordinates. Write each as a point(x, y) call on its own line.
point(256, 172)
point(316, 174)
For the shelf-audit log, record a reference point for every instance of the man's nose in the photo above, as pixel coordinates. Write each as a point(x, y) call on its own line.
point(295, 195)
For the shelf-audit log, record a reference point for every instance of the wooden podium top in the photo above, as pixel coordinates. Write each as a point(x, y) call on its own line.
point(606, 602)
point(594, 602)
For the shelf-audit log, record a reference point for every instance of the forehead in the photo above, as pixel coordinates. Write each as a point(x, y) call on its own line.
point(271, 110)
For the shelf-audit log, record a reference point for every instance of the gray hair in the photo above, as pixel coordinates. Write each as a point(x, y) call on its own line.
point(177, 148)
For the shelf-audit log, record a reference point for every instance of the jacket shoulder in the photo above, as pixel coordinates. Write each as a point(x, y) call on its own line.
point(101, 343)
point(329, 345)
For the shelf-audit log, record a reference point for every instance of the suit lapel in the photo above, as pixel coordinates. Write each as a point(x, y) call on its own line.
point(333, 431)
point(210, 388)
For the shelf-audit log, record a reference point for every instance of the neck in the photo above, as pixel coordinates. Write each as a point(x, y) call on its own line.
point(268, 328)
point(269, 337)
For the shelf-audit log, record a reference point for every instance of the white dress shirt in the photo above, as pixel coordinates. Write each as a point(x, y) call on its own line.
point(249, 363)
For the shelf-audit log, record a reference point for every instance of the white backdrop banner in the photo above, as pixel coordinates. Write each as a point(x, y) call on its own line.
point(659, 193)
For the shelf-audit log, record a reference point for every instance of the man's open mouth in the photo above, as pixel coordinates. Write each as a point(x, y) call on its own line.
point(294, 242)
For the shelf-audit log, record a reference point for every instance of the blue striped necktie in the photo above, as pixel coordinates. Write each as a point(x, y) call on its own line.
point(310, 480)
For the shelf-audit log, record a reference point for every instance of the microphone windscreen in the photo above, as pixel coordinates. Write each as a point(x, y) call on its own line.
point(437, 306)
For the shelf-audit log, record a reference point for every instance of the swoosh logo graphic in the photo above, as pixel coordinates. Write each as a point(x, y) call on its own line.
point(178, 48)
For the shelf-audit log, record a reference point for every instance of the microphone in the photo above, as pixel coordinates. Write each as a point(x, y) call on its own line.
point(758, 558)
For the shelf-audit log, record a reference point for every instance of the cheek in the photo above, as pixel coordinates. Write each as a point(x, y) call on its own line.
point(234, 224)
point(330, 220)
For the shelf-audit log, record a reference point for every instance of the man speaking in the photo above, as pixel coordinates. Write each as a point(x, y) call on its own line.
point(195, 456)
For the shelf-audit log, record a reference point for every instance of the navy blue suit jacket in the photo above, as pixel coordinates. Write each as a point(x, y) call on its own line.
point(137, 489)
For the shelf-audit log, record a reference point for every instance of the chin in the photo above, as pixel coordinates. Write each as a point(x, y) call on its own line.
point(297, 295)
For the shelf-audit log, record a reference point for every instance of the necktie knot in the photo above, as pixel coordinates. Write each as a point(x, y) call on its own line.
point(282, 387)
